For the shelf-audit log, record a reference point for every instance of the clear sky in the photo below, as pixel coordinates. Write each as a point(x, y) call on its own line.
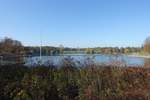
point(76, 23)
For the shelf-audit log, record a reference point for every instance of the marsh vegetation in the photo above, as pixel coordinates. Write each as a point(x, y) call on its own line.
point(90, 82)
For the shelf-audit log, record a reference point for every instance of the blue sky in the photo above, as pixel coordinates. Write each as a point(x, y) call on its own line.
point(76, 23)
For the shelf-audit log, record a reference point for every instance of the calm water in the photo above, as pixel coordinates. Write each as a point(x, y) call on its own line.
point(120, 60)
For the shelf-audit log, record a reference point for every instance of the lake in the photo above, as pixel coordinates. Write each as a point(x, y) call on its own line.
point(120, 60)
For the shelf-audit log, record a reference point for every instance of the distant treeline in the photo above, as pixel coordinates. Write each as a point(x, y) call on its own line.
point(99, 50)
point(15, 47)
point(47, 50)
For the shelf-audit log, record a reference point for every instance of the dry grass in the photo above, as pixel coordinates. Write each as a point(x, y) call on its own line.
point(92, 82)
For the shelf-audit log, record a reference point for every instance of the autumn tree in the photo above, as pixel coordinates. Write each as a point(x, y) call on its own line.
point(8, 45)
point(147, 45)
point(61, 49)
point(11, 50)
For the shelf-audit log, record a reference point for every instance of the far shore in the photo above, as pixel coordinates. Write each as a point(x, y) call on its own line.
point(138, 55)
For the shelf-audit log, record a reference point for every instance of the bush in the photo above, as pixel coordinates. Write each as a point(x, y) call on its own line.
point(69, 82)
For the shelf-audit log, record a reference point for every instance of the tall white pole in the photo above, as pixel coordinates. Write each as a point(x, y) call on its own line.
point(40, 47)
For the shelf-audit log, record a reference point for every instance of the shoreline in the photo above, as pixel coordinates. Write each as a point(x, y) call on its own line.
point(140, 56)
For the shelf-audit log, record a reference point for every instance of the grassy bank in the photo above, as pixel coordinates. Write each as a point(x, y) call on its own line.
point(92, 82)
point(140, 54)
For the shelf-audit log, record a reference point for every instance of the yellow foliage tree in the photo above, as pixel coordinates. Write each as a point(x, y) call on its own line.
point(147, 45)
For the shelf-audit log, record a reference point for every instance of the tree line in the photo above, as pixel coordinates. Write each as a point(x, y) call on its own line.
point(15, 47)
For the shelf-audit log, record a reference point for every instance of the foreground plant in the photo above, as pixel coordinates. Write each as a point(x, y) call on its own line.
point(70, 82)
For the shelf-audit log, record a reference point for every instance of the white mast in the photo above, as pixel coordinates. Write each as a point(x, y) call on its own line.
point(40, 47)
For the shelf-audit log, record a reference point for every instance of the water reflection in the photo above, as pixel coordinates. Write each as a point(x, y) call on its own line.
point(117, 60)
